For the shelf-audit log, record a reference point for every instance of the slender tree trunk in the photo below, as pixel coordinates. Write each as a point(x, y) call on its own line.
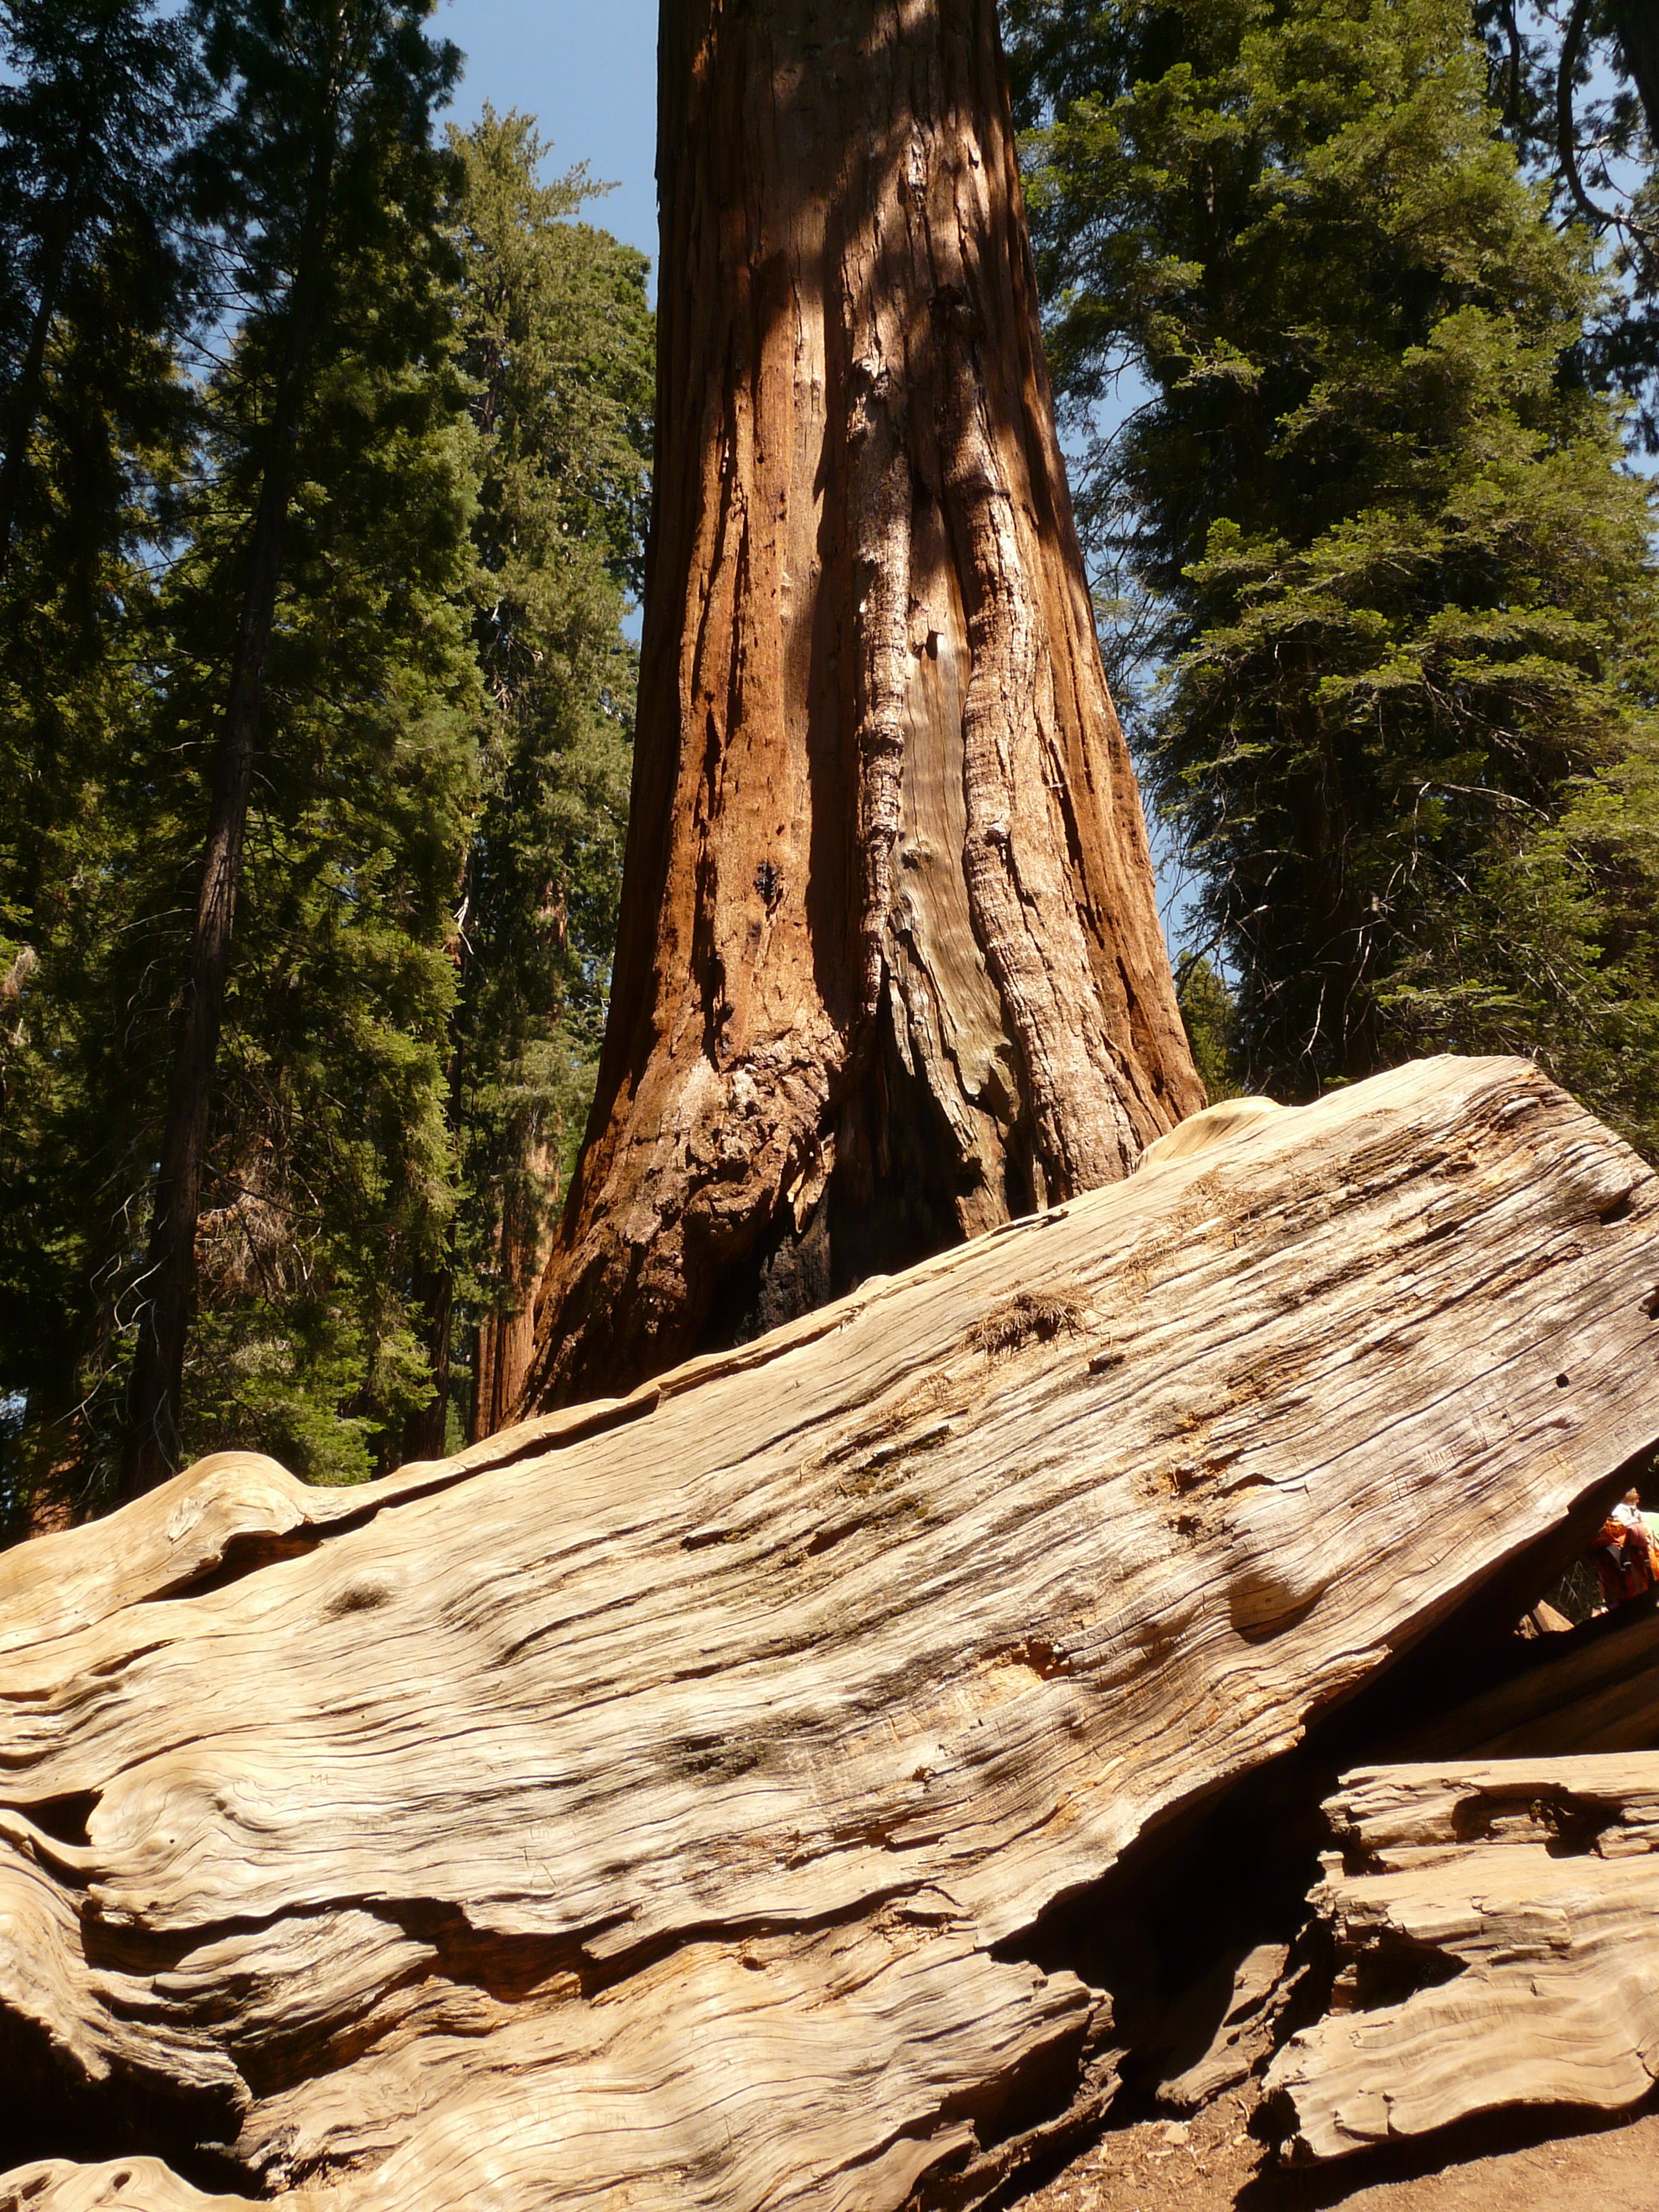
point(505, 1343)
point(890, 968)
point(1636, 27)
point(424, 1430)
point(151, 1450)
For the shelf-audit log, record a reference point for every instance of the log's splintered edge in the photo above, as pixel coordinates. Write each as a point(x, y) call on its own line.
point(651, 1806)
point(1516, 1900)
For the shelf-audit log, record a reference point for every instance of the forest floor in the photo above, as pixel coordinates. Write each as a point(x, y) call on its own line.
point(1212, 2164)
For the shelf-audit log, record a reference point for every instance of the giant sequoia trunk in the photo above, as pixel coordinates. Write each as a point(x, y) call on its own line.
point(718, 1799)
point(890, 967)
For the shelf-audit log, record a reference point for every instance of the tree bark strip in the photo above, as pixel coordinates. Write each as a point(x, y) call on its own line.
point(889, 969)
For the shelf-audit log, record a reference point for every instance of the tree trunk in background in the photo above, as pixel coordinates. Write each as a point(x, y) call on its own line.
point(890, 968)
point(1636, 27)
point(505, 1344)
point(426, 1428)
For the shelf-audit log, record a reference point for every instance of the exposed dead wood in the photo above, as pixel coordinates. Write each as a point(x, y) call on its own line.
point(1495, 1929)
point(1258, 1990)
point(657, 1806)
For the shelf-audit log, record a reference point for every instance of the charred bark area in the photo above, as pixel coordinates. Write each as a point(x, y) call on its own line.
point(889, 969)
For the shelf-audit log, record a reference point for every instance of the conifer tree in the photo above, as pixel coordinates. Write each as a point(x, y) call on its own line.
point(98, 279)
point(427, 892)
point(1400, 585)
point(319, 169)
point(94, 267)
point(1576, 84)
point(556, 341)
point(328, 1176)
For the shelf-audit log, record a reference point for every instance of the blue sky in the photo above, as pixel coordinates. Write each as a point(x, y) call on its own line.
point(587, 71)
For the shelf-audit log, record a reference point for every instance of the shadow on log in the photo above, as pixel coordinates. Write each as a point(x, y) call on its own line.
point(676, 1802)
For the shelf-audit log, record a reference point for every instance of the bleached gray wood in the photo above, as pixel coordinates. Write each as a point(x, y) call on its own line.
point(1517, 1902)
point(649, 1807)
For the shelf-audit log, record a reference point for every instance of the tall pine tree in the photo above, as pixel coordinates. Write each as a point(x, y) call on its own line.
point(321, 173)
point(557, 342)
point(1399, 582)
point(99, 278)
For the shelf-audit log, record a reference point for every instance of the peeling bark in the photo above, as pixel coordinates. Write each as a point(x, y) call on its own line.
point(889, 970)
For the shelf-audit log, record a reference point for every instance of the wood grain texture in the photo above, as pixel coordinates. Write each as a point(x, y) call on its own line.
point(1494, 1926)
point(654, 1805)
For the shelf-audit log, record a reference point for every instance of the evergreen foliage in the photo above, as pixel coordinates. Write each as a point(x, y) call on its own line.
point(1397, 579)
point(99, 278)
point(1576, 84)
point(1211, 1018)
point(96, 272)
point(556, 340)
point(448, 383)
point(320, 173)
point(329, 1178)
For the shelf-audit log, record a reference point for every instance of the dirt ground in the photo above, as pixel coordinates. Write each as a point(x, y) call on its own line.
point(1211, 2165)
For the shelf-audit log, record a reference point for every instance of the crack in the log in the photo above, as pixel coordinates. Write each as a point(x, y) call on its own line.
point(49, 2109)
point(63, 1819)
point(122, 1947)
point(1570, 1825)
point(1389, 1967)
point(607, 1971)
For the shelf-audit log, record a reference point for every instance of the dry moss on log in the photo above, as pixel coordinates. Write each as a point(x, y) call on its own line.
point(656, 1805)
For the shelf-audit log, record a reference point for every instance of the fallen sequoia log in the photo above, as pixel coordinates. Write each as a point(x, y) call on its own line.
point(664, 1803)
point(1496, 1929)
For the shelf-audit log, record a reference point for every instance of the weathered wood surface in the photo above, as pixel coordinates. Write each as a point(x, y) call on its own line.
point(1497, 1928)
point(651, 1807)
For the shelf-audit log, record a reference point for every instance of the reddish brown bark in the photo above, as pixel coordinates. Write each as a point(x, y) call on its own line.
point(890, 968)
point(505, 1344)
